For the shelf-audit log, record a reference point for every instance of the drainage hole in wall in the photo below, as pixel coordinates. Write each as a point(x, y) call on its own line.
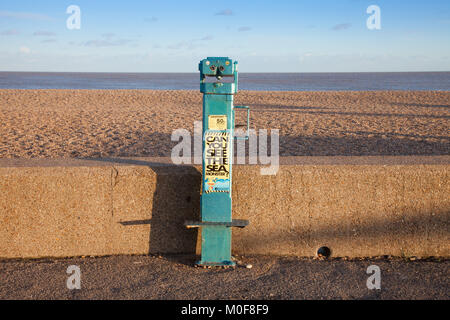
point(324, 252)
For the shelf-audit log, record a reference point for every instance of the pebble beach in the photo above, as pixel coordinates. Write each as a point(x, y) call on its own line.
point(137, 123)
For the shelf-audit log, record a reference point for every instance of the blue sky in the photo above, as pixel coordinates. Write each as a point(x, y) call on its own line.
point(264, 36)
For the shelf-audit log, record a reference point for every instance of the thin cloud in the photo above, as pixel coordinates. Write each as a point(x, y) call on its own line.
point(184, 45)
point(225, 12)
point(341, 26)
point(206, 38)
point(177, 46)
point(24, 15)
point(108, 35)
point(24, 50)
point(44, 34)
point(189, 44)
point(243, 29)
point(306, 55)
point(106, 43)
point(10, 32)
point(49, 41)
point(152, 19)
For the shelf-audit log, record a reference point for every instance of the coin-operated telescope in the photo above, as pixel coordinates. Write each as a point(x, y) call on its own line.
point(218, 83)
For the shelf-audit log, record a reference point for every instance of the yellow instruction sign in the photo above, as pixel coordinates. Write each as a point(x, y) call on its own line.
point(217, 162)
point(217, 122)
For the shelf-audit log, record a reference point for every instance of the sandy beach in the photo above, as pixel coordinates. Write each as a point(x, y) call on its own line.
point(132, 123)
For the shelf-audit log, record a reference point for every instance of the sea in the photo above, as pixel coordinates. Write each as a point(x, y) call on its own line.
point(436, 81)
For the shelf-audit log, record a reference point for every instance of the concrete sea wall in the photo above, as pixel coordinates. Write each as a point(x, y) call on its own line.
point(356, 206)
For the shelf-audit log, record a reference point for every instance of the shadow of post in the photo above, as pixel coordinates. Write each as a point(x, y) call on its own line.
point(176, 198)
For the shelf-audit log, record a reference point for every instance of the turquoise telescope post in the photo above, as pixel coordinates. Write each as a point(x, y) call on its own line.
point(218, 83)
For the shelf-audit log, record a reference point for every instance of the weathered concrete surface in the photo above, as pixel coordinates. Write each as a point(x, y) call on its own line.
point(357, 206)
point(271, 278)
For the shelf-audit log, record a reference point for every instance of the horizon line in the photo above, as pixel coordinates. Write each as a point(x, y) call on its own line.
point(172, 72)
